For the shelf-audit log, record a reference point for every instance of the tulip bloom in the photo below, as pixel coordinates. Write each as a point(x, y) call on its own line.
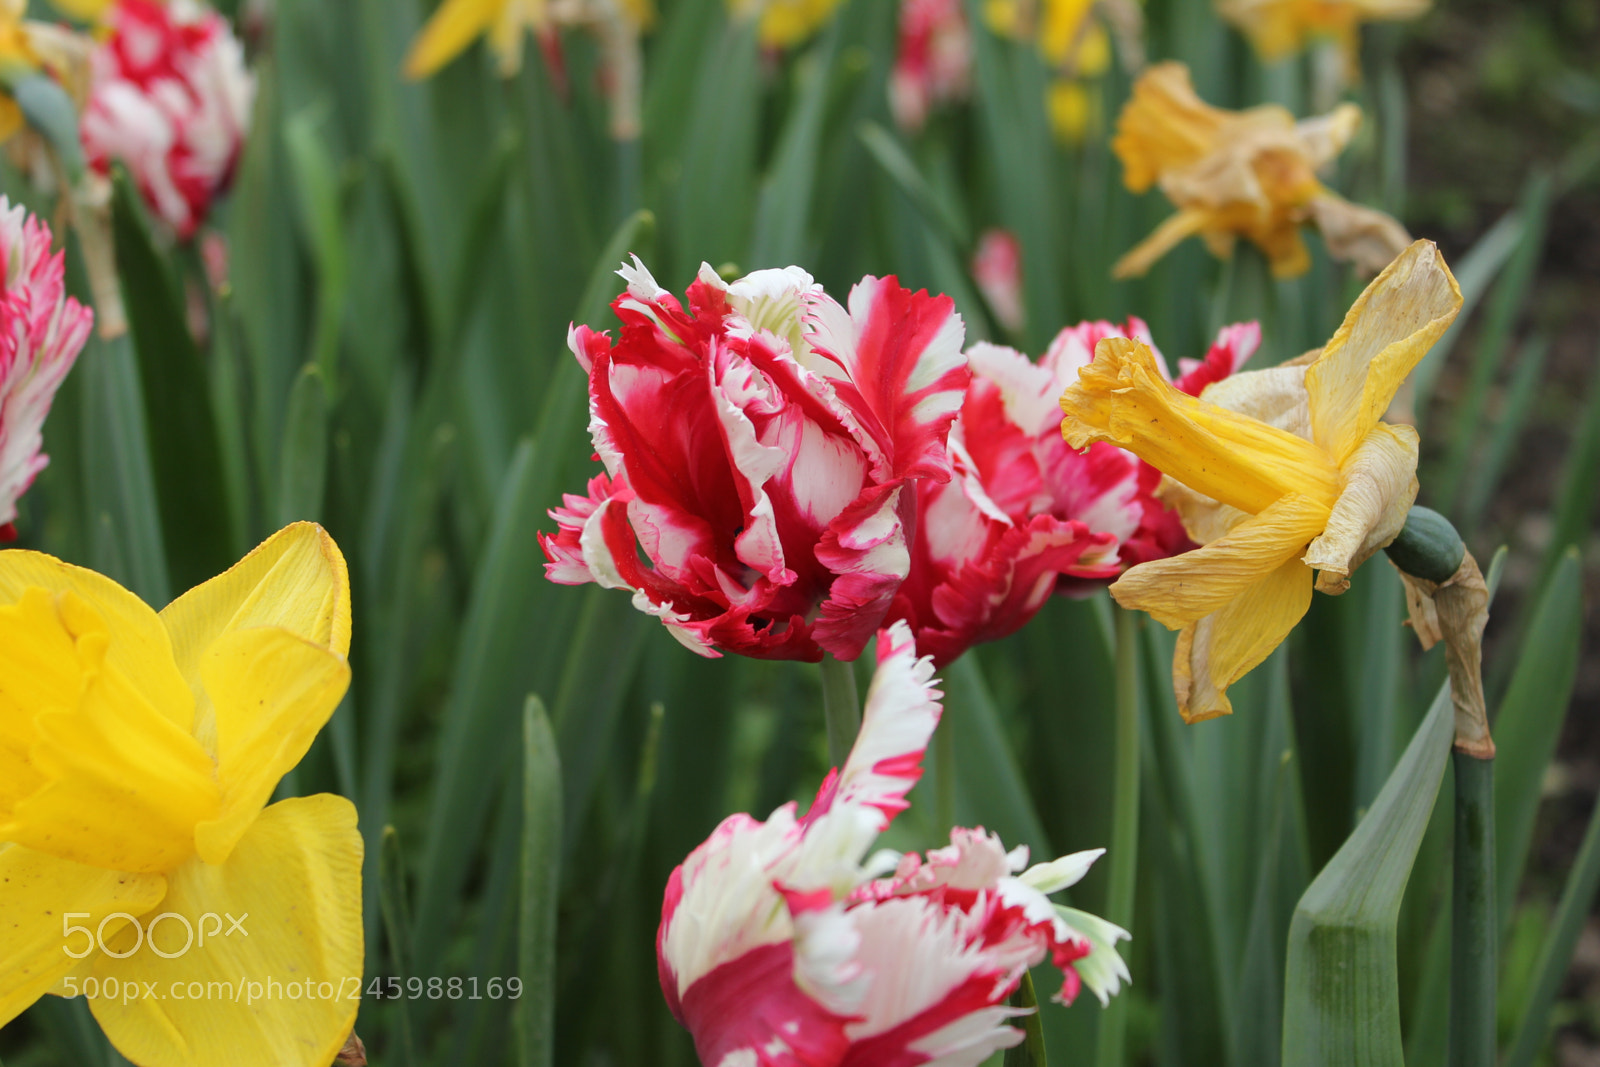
point(1279, 28)
point(42, 330)
point(137, 755)
point(765, 449)
point(170, 99)
point(1280, 472)
point(1026, 515)
point(782, 944)
point(997, 268)
point(933, 63)
point(1248, 174)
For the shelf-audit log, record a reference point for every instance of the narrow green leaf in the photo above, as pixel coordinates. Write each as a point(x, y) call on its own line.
point(1484, 476)
point(483, 226)
point(841, 708)
point(937, 210)
point(303, 468)
point(396, 927)
point(1031, 1052)
point(1580, 484)
point(1530, 717)
point(784, 206)
point(541, 882)
point(1556, 955)
point(1341, 997)
point(635, 235)
point(1474, 926)
point(184, 447)
point(1124, 821)
point(316, 183)
point(986, 769)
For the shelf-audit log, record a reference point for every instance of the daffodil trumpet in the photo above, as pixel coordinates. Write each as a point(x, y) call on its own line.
point(1286, 477)
point(138, 753)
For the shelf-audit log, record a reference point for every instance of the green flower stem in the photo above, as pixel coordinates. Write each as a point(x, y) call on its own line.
point(1125, 821)
point(944, 757)
point(842, 708)
point(1474, 934)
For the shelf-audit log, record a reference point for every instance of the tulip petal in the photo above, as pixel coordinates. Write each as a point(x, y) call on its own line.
point(1122, 398)
point(112, 781)
point(272, 692)
point(42, 897)
point(1385, 334)
point(140, 648)
point(1223, 647)
point(897, 365)
point(448, 33)
point(1181, 591)
point(866, 549)
point(1380, 487)
point(282, 991)
point(296, 580)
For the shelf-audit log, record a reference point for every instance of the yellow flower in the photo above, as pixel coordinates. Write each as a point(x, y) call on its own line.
point(1074, 44)
point(139, 865)
point(784, 23)
point(1248, 174)
point(457, 23)
point(1279, 28)
point(1276, 473)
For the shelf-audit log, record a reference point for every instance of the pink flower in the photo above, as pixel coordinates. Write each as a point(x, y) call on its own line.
point(934, 61)
point(997, 268)
point(764, 449)
point(170, 98)
point(42, 330)
point(1026, 515)
point(782, 945)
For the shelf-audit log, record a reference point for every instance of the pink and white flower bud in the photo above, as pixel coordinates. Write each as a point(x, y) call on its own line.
point(783, 945)
point(997, 268)
point(170, 99)
point(1026, 515)
point(42, 330)
point(933, 64)
point(764, 449)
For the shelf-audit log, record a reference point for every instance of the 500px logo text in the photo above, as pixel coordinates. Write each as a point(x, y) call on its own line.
point(210, 926)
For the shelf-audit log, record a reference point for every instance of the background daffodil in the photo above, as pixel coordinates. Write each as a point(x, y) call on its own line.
point(137, 755)
point(1279, 472)
point(1250, 174)
point(1279, 28)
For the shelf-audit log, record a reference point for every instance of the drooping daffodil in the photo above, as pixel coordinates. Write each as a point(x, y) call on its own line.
point(1277, 473)
point(140, 865)
point(457, 23)
point(1250, 174)
point(1279, 28)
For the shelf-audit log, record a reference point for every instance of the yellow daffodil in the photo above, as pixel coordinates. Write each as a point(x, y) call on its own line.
point(457, 23)
point(84, 10)
point(1073, 42)
point(139, 864)
point(784, 23)
point(1276, 473)
point(1279, 28)
point(1250, 174)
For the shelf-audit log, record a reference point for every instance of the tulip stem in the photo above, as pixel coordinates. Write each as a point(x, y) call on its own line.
point(1124, 820)
point(841, 707)
point(1474, 924)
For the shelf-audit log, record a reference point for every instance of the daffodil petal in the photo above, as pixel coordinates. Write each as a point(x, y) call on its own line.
point(40, 897)
point(282, 989)
point(1387, 331)
point(296, 580)
point(139, 645)
point(1274, 395)
point(454, 26)
point(1220, 649)
point(1123, 398)
point(1163, 239)
point(272, 692)
point(1380, 487)
point(1181, 590)
point(38, 669)
point(87, 10)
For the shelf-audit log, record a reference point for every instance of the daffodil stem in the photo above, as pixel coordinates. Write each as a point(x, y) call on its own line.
point(1124, 820)
point(1474, 921)
point(841, 707)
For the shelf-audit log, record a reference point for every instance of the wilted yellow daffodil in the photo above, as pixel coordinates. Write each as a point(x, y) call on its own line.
point(457, 23)
point(1276, 473)
point(1248, 174)
point(784, 23)
point(1279, 28)
point(139, 864)
point(28, 47)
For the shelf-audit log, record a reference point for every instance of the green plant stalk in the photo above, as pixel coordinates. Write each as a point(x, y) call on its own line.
point(1474, 924)
point(841, 708)
point(1031, 1052)
point(541, 882)
point(944, 759)
point(1124, 822)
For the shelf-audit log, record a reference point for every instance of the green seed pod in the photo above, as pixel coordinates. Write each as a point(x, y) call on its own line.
point(1428, 546)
